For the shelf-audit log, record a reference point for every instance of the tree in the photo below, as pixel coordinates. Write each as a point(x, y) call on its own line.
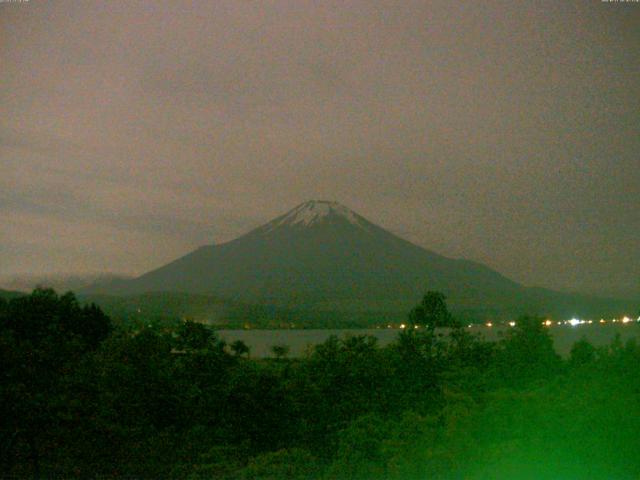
point(582, 353)
point(43, 338)
point(280, 351)
point(293, 464)
point(259, 408)
point(418, 356)
point(239, 348)
point(526, 353)
point(359, 454)
point(194, 336)
point(432, 311)
point(44, 317)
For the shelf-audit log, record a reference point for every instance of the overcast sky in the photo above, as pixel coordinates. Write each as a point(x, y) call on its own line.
point(503, 132)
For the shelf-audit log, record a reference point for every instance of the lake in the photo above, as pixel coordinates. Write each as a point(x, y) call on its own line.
point(564, 336)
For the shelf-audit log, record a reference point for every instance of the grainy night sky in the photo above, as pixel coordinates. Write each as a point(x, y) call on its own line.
point(503, 132)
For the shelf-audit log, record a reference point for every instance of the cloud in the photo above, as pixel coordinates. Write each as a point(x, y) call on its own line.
point(505, 133)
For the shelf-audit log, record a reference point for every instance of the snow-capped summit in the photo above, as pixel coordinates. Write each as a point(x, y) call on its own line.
point(316, 211)
point(323, 257)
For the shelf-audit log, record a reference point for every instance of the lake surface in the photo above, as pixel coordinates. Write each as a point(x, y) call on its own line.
point(564, 336)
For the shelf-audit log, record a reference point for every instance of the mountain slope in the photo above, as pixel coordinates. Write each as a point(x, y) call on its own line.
point(323, 256)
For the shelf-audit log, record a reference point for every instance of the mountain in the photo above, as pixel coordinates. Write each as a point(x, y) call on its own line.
point(321, 256)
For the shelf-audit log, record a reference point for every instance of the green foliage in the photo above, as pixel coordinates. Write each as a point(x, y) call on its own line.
point(239, 348)
point(80, 399)
point(292, 464)
point(526, 353)
point(582, 353)
point(360, 452)
point(43, 337)
point(258, 407)
point(432, 312)
point(280, 351)
point(192, 336)
point(45, 317)
point(222, 462)
point(419, 359)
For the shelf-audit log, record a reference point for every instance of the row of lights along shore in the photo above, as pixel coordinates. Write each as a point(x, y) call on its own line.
point(549, 323)
point(574, 322)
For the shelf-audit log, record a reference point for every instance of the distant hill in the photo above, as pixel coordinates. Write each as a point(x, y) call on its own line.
point(167, 307)
point(61, 282)
point(323, 257)
point(204, 308)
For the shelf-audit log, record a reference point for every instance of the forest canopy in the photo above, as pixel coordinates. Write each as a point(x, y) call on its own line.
point(82, 397)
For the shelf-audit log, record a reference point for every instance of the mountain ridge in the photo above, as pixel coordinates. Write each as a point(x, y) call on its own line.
point(320, 255)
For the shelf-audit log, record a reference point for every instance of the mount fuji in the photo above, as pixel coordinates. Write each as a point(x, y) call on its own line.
point(322, 256)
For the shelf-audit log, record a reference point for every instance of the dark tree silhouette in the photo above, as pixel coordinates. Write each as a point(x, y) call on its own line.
point(280, 351)
point(239, 348)
point(526, 352)
point(432, 311)
point(193, 336)
point(43, 337)
point(174, 402)
point(582, 353)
